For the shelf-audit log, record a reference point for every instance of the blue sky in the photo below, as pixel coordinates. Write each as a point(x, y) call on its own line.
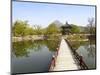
point(44, 14)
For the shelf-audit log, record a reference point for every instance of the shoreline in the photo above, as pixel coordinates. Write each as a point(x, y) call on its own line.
point(26, 38)
point(32, 38)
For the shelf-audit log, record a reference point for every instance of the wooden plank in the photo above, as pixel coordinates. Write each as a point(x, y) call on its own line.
point(65, 60)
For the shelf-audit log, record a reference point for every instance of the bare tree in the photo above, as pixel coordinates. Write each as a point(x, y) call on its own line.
point(91, 30)
point(91, 26)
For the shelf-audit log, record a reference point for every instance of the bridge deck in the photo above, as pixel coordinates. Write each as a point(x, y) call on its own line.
point(65, 60)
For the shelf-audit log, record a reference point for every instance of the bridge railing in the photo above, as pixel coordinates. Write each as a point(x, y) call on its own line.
point(54, 57)
point(79, 58)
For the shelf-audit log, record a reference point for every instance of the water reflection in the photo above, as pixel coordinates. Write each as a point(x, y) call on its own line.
point(90, 50)
point(76, 44)
point(88, 55)
point(32, 56)
point(23, 48)
point(86, 49)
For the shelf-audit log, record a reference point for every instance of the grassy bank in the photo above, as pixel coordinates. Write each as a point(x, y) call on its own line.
point(33, 37)
point(36, 37)
point(77, 40)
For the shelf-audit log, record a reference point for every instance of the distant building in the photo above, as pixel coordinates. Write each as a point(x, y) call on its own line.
point(66, 29)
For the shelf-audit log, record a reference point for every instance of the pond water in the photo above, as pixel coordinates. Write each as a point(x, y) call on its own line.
point(88, 54)
point(28, 56)
point(87, 50)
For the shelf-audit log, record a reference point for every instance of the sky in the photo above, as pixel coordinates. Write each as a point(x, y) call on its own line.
point(43, 14)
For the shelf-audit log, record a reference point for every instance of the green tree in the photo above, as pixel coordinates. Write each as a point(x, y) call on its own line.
point(38, 30)
point(75, 29)
point(29, 31)
point(19, 28)
point(52, 29)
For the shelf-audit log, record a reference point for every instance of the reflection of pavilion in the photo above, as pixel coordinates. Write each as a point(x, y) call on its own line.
point(66, 29)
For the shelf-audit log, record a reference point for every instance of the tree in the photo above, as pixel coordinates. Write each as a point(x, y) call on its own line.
point(37, 29)
point(19, 28)
point(52, 29)
point(29, 31)
point(91, 26)
point(91, 30)
point(75, 29)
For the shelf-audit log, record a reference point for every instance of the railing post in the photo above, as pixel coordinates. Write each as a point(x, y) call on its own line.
point(53, 59)
point(80, 59)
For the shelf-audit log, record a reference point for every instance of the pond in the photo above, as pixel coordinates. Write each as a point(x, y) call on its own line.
point(87, 50)
point(36, 56)
point(88, 54)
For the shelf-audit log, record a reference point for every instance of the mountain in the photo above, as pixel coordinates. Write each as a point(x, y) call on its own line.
point(58, 23)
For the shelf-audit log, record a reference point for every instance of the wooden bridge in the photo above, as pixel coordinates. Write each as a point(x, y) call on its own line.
point(64, 60)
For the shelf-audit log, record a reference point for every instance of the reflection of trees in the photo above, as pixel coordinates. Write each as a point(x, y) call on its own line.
point(21, 49)
point(91, 48)
point(37, 45)
point(91, 51)
point(76, 44)
point(52, 44)
point(88, 46)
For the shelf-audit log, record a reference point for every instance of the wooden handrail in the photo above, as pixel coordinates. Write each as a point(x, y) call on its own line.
point(79, 59)
point(53, 61)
